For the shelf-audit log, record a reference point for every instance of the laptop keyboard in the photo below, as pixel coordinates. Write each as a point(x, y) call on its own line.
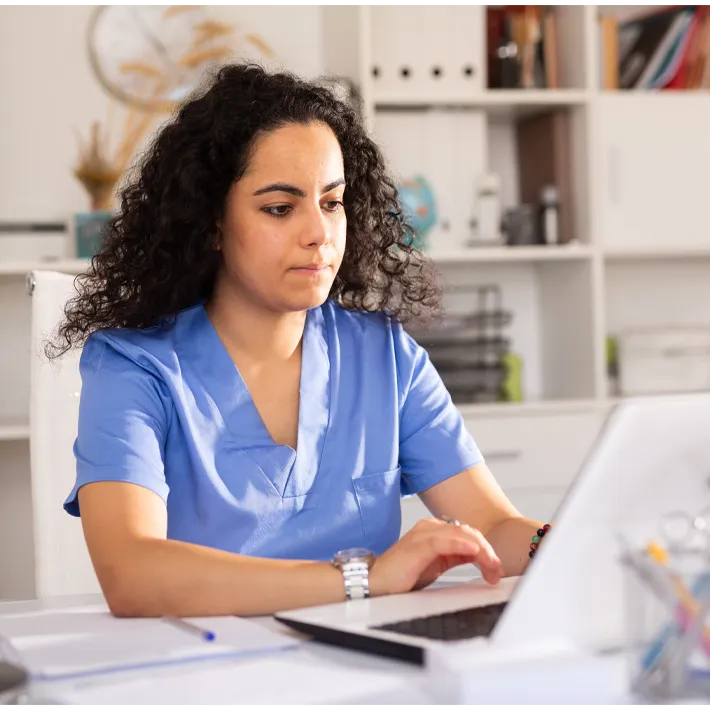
point(451, 626)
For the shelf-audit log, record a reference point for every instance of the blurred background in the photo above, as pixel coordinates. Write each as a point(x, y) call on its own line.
point(552, 161)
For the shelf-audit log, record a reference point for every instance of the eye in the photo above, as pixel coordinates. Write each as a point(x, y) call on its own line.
point(333, 205)
point(277, 210)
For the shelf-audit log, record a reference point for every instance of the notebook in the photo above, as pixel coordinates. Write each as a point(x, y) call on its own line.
point(60, 644)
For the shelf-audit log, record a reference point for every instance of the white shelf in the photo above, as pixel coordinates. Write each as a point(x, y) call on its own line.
point(570, 252)
point(14, 431)
point(21, 268)
point(657, 252)
point(495, 101)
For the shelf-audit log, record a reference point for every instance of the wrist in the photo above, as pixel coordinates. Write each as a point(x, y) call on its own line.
point(537, 539)
point(355, 565)
point(378, 587)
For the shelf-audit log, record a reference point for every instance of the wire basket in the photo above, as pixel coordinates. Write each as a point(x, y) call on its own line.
point(468, 349)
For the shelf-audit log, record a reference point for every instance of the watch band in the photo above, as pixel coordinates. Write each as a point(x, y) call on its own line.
point(356, 575)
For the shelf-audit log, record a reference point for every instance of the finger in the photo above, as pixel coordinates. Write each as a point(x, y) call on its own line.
point(487, 560)
point(450, 543)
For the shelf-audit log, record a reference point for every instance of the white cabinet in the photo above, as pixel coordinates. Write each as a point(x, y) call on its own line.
point(654, 153)
point(535, 457)
point(538, 450)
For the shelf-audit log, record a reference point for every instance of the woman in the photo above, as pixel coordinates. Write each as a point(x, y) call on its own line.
point(250, 403)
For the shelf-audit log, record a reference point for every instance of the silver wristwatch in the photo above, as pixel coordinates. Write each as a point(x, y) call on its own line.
point(355, 565)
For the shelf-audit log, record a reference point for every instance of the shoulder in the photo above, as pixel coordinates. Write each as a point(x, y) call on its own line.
point(376, 331)
point(358, 323)
point(151, 350)
point(369, 328)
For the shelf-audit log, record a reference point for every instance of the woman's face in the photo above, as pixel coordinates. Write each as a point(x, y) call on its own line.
point(283, 232)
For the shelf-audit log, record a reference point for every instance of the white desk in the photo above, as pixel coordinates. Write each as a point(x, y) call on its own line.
point(316, 674)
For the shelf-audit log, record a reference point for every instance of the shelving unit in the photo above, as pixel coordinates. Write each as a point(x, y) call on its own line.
point(640, 255)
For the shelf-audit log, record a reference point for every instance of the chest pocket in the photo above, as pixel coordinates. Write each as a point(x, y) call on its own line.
point(378, 497)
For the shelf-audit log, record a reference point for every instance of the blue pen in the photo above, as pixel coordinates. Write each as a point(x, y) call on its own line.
point(190, 628)
point(658, 645)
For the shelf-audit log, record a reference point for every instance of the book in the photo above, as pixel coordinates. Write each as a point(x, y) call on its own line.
point(639, 40)
point(550, 50)
point(668, 54)
point(609, 30)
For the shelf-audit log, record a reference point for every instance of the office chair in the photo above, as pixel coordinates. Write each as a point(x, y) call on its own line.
point(62, 563)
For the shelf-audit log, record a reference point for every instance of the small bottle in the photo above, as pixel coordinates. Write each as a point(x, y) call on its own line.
point(489, 217)
point(549, 215)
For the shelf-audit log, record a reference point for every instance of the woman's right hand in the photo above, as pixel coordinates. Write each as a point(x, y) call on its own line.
point(428, 550)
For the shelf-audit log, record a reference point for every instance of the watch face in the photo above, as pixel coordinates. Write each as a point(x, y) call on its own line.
point(353, 553)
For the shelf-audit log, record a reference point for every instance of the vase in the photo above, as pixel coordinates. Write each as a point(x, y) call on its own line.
point(88, 232)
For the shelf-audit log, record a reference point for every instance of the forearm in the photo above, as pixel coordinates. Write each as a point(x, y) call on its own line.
point(166, 577)
point(511, 540)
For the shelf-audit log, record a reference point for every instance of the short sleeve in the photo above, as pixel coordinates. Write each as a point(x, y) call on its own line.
point(434, 443)
point(123, 421)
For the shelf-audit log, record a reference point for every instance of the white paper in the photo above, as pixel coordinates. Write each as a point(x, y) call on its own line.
point(299, 677)
point(75, 642)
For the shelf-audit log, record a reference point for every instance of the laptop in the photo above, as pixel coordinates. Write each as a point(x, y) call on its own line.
point(651, 458)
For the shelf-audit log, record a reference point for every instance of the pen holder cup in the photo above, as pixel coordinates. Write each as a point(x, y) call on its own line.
point(668, 625)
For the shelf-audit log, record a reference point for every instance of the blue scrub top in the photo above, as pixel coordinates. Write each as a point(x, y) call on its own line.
point(167, 409)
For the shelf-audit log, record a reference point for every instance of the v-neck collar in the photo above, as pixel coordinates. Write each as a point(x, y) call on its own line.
point(291, 472)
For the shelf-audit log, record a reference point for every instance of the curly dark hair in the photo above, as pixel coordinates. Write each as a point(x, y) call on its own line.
point(158, 254)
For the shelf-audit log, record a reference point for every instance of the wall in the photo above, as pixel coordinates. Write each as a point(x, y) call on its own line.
point(48, 92)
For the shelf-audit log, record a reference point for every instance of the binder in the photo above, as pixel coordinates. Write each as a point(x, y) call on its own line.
point(468, 44)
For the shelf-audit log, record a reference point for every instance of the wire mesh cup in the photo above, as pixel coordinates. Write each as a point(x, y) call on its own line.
point(667, 602)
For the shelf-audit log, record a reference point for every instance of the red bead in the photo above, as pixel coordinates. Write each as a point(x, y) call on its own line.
point(533, 546)
point(546, 527)
point(531, 553)
point(541, 532)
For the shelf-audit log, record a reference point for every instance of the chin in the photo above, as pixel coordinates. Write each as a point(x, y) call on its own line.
point(307, 300)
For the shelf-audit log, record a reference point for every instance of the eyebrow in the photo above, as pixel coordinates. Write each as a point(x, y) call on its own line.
point(292, 190)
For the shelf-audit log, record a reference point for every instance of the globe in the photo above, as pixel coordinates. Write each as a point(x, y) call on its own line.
point(417, 199)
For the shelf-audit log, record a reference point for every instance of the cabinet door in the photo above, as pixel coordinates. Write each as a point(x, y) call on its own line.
point(654, 160)
point(535, 450)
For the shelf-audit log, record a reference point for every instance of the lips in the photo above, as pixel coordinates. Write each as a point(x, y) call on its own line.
point(312, 267)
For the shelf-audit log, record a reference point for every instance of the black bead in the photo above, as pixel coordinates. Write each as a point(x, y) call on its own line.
point(541, 532)
point(531, 553)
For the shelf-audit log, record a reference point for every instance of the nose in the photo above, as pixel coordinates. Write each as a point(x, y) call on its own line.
point(316, 230)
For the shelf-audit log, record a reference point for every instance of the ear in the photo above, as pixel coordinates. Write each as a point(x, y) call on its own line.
point(218, 237)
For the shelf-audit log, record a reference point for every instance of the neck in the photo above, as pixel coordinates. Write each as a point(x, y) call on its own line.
point(253, 332)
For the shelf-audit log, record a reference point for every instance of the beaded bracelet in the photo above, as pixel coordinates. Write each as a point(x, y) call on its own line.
point(537, 538)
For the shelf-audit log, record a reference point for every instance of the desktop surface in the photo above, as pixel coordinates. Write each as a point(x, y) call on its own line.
point(312, 674)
